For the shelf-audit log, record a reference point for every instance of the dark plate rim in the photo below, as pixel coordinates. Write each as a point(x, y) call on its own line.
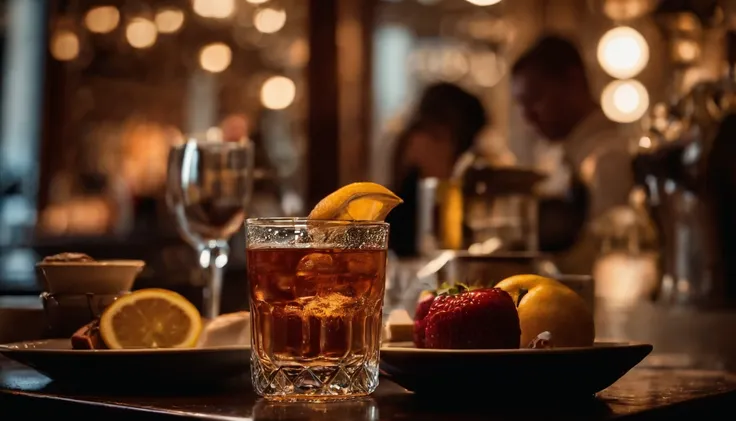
point(598, 346)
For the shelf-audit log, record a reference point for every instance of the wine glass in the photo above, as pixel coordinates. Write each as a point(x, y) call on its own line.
point(209, 185)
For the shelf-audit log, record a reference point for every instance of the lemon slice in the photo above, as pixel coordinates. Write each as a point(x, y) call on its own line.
point(150, 318)
point(357, 202)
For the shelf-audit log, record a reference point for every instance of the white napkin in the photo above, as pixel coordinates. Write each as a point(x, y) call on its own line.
point(231, 329)
point(399, 327)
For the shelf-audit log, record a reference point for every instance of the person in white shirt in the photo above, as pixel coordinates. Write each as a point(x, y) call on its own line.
point(550, 84)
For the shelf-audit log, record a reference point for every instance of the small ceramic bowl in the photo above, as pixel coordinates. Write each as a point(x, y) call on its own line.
point(98, 277)
point(66, 313)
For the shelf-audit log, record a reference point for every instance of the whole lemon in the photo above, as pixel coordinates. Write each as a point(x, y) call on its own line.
point(545, 304)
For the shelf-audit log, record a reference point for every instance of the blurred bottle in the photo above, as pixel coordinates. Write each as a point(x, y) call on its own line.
point(626, 268)
point(488, 204)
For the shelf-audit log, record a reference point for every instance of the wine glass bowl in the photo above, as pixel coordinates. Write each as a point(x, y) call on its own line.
point(209, 186)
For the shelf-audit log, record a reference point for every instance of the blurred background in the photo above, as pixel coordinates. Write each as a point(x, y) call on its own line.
point(95, 92)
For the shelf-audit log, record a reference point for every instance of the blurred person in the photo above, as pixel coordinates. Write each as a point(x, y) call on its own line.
point(444, 125)
point(592, 173)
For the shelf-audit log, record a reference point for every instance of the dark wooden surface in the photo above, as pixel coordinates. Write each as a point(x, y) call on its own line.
point(644, 393)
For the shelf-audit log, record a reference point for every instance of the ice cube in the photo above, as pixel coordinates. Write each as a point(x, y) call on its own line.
point(287, 328)
point(363, 263)
point(330, 305)
point(273, 281)
point(283, 283)
point(274, 286)
point(316, 263)
point(354, 286)
point(316, 275)
point(363, 269)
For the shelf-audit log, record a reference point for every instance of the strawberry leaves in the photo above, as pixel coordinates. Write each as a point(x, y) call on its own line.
point(454, 289)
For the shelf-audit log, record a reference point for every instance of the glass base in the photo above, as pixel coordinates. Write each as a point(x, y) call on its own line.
point(314, 383)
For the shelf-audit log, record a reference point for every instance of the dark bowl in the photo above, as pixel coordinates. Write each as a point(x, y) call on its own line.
point(563, 372)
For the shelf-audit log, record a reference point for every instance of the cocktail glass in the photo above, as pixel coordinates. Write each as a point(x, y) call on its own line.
point(316, 294)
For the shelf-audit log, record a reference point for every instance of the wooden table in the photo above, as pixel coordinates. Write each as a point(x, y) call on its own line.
point(643, 394)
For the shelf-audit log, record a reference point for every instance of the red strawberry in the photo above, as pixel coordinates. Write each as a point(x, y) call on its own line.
point(425, 302)
point(472, 319)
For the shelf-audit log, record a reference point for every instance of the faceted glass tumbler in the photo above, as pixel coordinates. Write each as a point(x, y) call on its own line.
point(316, 295)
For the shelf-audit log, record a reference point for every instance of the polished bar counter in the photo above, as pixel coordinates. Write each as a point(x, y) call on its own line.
point(645, 393)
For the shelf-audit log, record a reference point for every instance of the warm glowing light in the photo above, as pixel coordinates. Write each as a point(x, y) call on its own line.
point(215, 57)
point(64, 45)
point(623, 10)
point(625, 101)
point(298, 53)
point(483, 2)
point(169, 21)
point(218, 9)
point(213, 134)
point(686, 50)
point(141, 33)
point(278, 92)
point(256, 1)
point(102, 19)
point(623, 52)
point(269, 21)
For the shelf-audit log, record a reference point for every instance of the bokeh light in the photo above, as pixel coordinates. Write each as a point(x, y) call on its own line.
point(685, 50)
point(278, 92)
point(169, 21)
point(218, 9)
point(623, 52)
point(269, 21)
point(625, 101)
point(141, 33)
point(623, 10)
point(215, 57)
point(102, 19)
point(64, 45)
point(484, 2)
point(298, 53)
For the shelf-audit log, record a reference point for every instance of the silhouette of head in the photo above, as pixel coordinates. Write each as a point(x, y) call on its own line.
point(551, 87)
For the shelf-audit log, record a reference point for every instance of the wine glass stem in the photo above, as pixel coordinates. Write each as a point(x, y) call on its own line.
point(213, 293)
point(217, 254)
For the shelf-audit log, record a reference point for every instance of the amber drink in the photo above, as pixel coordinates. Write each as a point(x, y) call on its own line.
point(316, 293)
